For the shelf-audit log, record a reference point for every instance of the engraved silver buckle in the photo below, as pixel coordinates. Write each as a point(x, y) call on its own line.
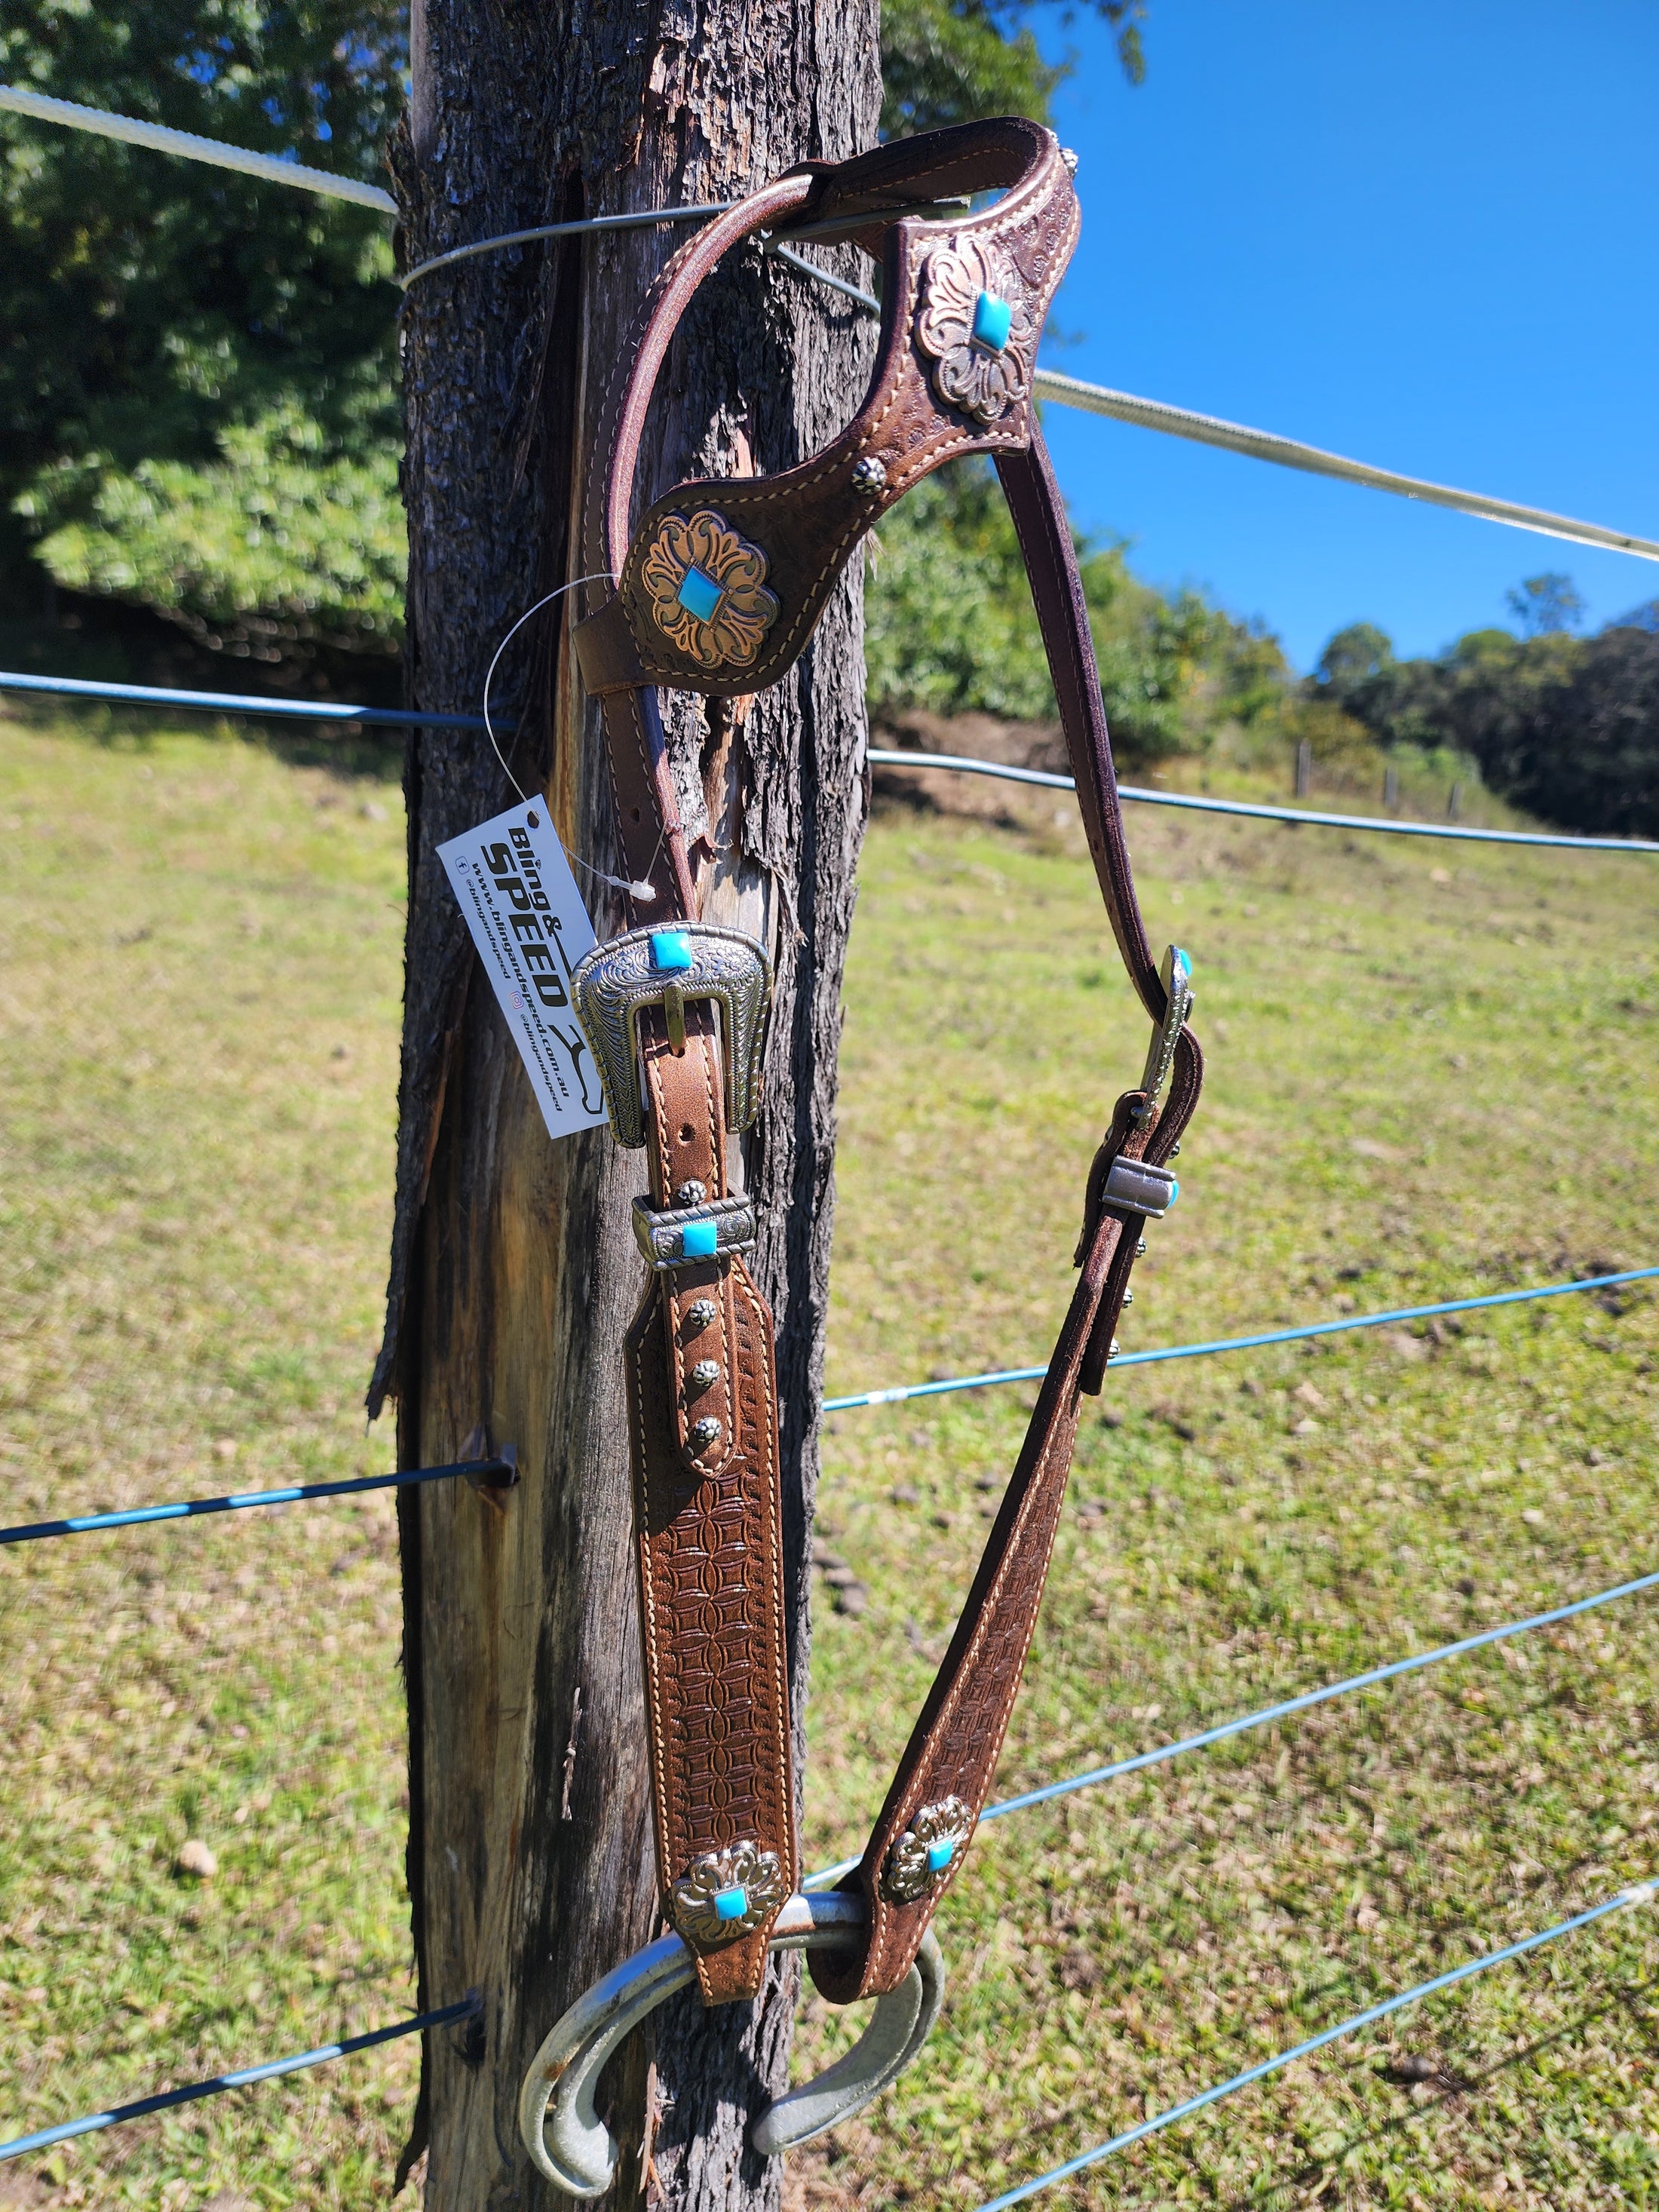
point(661, 1233)
point(1175, 974)
point(1137, 1187)
point(613, 981)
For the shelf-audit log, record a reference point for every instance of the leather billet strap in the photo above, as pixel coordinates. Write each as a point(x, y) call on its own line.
point(717, 591)
point(709, 1520)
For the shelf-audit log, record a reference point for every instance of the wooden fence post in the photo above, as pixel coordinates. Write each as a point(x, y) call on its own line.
point(513, 1270)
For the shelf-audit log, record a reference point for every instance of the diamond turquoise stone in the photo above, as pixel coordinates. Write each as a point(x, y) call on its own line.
point(700, 595)
point(700, 1240)
point(670, 949)
point(940, 1855)
point(993, 320)
point(730, 1904)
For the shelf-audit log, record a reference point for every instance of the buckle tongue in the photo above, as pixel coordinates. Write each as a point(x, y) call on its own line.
point(1175, 974)
point(666, 967)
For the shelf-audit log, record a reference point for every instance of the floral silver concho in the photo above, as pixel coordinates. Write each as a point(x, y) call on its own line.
point(731, 635)
point(717, 1874)
point(982, 382)
point(908, 1874)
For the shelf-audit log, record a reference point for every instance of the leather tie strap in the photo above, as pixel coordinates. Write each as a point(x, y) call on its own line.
point(718, 591)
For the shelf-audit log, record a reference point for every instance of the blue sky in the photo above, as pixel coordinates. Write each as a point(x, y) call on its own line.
point(1422, 236)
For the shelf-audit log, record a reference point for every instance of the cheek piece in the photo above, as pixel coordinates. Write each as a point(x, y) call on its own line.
point(718, 591)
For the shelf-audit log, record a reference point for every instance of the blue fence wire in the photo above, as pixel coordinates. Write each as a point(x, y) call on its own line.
point(1637, 1893)
point(301, 710)
point(495, 1470)
point(1287, 1707)
point(233, 702)
point(901, 1391)
point(243, 2078)
point(81, 1524)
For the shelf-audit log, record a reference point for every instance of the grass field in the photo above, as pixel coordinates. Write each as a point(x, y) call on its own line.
point(1432, 1074)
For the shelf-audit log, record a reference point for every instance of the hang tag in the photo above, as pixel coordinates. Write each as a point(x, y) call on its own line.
point(531, 927)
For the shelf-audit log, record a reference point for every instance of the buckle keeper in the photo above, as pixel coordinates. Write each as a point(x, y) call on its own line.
point(713, 1231)
point(1137, 1186)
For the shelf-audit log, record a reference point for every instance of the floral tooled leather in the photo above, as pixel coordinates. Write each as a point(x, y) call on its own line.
point(983, 381)
point(705, 546)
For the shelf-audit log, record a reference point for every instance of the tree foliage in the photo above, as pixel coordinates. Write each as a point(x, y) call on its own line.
point(951, 61)
point(1568, 728)
point(948, 626)
point(148, 305)
point(199, 370)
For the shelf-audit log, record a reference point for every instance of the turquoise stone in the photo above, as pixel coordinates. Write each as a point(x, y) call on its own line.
point(699, 1240)
point(993, 319)
point(940, 1855)
point(730, 1904)
point(700, 595)
point(670, 949)
point(1175, 1193)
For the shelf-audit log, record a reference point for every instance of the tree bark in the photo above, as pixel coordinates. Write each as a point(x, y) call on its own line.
point(514, 1271)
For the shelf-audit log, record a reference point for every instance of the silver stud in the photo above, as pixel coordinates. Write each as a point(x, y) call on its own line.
point(691, 1194)
point(1128, 1298)
point(1113, 1353)
point(869, 476)
point(705, 1433)
point(1175, 1149)
point(703, 1376)
point(1140, 1248)
point(1070, 160)
point(701, 1313)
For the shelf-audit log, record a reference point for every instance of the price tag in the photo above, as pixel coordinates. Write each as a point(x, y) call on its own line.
point(531, 927)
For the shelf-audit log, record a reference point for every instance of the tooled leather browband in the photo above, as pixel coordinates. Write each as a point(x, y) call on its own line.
point(718, 591)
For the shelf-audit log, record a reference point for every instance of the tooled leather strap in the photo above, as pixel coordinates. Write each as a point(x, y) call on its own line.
point(718, 593)
point(702, 1417)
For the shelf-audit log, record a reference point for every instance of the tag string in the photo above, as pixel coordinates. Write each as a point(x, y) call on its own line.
point(641, 890)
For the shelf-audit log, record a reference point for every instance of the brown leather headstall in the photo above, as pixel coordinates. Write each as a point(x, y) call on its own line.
point(717, 592)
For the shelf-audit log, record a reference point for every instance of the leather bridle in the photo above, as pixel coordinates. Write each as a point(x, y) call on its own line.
point(717, 592)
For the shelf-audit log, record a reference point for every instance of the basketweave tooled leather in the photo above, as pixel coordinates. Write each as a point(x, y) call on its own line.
point(806, 522)
point(708, 1527)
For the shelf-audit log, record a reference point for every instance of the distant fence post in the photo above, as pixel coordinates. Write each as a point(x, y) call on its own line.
point(1303, 768)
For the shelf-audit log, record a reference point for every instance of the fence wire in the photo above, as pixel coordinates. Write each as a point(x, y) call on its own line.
point(1638, 1893)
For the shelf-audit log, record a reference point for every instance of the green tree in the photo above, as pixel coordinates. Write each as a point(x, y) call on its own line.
point(1546, 605)
point(148, 305)
point(949, 61)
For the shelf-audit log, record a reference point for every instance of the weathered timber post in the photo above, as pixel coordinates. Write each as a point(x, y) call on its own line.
point(513, 1272)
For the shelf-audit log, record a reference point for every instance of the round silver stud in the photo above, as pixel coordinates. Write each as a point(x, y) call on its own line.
point(869, 476)
point(701, 1313)
point(704, 1375)
point(1128, 1298)
point(1070, 160)
point(705, 1433)
point(691, 1194)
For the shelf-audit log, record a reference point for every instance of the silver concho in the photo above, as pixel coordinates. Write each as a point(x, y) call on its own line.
point(981, 378)
point(914, 1865)
point(726, 1894)
point(613, 981)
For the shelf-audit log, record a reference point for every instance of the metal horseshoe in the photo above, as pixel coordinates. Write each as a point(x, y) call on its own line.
point(572, 2145)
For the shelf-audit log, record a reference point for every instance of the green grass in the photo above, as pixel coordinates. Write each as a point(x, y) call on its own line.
point(1432, 1072)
